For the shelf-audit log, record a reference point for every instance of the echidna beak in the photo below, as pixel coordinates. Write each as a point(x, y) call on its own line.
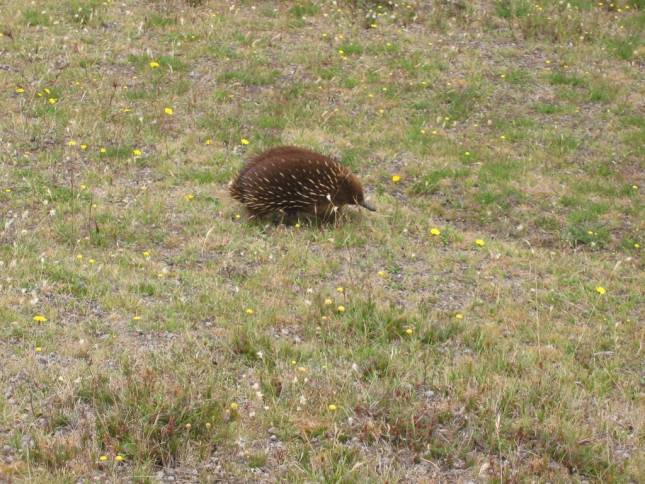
point(368, 206)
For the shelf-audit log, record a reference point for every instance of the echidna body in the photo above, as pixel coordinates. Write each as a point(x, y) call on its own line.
point(288, 180)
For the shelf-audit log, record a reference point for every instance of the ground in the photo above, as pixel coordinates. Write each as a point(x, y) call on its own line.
point(485, 324)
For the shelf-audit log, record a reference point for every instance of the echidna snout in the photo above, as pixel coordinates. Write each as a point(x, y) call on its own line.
point(288, 179)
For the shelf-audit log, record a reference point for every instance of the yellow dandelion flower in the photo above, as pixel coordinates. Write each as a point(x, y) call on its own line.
point(249, 311)
point(208, 142)
point(92, 261)
point(169, 111)
point(71, 143)
point(189, 197)
point(328, 302)
point(634, 187)
point(435, 231)
point(459, 316)
point(234, 406)
point(79, 256)
point(297, 226)
point(126, 109)
point(136, 152)
point(136, 318)
point(332, 407)
point(601, 290)
point(293, 362)
point(39, 318)
point(52, 100)
point(480, 242)
point(153, 64)
point(38, 349)
point(637, 246)
point(103, 150)
point(103, 458)
point(340, 289)
point(189, 426)
point(244, 141)
point(502, 137)
point(146, 254)
point(340, 309)
point(19, 90)
point(237, 215)
point(208, 425)
point(119, 458)
point(409, 331)
point(83, 146)
point(396, 178)
point(381, 273)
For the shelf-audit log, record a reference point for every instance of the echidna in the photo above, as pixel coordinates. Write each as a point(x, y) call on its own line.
point(288, 180)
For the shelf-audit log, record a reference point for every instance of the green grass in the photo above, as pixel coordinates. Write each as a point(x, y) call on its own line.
point(483, 324)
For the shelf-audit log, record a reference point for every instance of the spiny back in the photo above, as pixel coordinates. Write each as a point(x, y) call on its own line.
point(291, 179)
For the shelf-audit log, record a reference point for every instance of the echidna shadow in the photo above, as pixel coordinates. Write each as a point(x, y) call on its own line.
point(289, 181)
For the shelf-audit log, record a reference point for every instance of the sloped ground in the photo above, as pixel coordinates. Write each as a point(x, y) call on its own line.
point(150, 331)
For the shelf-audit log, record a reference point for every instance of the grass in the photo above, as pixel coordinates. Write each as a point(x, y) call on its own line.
point(483, 324)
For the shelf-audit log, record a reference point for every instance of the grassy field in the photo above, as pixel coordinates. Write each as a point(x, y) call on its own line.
point(486, 324)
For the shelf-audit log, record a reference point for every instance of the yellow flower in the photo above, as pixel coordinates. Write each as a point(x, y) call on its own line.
point(297, 226)
point(480, 242)
point(38, 349)
point(79, 256)
point(136, 152)
point(467, 153)
point(103, 151)
point(328, 302)
point(136, 318)
point(39, 318)
point(189, 197)
point(208, 425)
point(189, 426)
point(340, 309)
point(249, 311)
point(244, 141)
point(52, 100)
point(396, 178)
point(234, 406)
point(502, 137)
point(340, 289)
point(459, 316)
point(146, 254)
point(47, 90)
point(293, 362)
point(168, 111)
point(19, 90)
point(119, 458)
point(381, 273)
point(71, 143)
point(83, 146)
point(92, 261)
point(153, 64)
point(435, 231)
point(103, 458)
point(637, 246)
point(208, 142)
point(332, 407)
point(409, 331)
point(601, 290)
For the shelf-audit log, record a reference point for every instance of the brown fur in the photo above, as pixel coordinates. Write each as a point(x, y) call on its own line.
point(288, 179)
